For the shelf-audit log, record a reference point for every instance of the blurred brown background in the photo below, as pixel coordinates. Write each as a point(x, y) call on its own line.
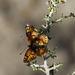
point(14, 14)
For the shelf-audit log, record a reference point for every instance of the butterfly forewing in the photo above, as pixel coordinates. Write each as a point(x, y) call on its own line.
point(31, 33)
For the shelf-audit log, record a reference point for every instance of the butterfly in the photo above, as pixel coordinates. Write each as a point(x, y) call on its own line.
point(37, 44)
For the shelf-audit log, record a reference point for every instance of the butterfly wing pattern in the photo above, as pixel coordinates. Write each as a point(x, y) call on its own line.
point(29, 56)
point(41, 40)
point(31, 33)
point(41, 51)
point(38, 44)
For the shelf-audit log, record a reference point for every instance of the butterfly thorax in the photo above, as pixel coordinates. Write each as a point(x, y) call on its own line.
point(38, 46)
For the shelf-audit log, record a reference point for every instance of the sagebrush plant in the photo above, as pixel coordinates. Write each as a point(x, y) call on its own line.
point(50, 70)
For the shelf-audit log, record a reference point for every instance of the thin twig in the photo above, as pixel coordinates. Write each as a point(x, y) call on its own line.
point(36, 65)
point(50, 14)
point(58, 20)
point(42, 70)
point(54, 67)
point(73, 73)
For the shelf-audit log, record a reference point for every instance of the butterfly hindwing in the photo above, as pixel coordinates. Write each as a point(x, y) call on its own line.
point(31, 33)
point(41, 51)
point(29, 56)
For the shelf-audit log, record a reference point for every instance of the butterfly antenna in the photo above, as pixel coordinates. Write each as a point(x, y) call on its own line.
point(27, 43)
point(23, 50)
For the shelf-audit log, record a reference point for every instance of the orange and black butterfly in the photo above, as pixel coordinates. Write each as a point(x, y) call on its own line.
point(38, 44)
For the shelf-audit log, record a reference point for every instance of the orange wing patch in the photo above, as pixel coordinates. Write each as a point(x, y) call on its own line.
point(29, 56)
point(31, 33)
point(41, 51)
point(41, 40)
